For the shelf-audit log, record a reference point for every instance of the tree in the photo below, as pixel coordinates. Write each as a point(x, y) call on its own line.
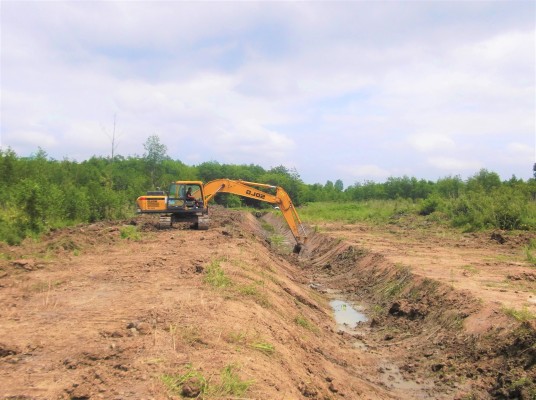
point(155, 154)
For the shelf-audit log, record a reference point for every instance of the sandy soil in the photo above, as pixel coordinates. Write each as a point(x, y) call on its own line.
point(225, 314)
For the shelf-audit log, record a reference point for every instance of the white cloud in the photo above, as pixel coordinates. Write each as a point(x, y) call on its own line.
point(431, 142)
point(363, 172)
point(452, 165)
point(273, 83)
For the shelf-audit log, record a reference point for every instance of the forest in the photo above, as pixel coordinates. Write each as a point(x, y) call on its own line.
point(39, 193)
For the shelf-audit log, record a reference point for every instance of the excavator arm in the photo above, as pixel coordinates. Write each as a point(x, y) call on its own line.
point(250, 189)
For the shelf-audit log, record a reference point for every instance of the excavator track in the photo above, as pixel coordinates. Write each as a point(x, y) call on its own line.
point(203, 223)
point(164, 222)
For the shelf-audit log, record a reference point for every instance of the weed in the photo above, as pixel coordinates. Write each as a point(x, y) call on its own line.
point(305, 323)
point(264, 347)
point(267, 227)
point(189, 334)
point(236, 337)
point(522, 315)
point(470, 269)
point(231, 384)
point(252, 290)
point(175, 383)
point(198, 386)
point(45, 286)
point(215, 276)
point(528, 252)
point(130, 232)
point(277, 240)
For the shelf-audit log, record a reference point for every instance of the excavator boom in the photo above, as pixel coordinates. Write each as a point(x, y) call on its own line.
point(250, 190)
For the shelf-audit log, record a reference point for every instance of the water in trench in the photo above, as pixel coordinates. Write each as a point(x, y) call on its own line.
point(346, 315)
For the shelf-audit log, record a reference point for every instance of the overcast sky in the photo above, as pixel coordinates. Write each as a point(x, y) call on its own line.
point(355, 91)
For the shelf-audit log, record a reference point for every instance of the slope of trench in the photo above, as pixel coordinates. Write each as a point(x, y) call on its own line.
point(430, 340)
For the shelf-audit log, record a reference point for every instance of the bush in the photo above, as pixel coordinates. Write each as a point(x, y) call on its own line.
point(431, 204)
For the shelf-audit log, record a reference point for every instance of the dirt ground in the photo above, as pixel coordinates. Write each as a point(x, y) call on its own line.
point(230, 313)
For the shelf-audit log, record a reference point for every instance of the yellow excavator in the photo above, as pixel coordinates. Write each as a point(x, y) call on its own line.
point(187, 201)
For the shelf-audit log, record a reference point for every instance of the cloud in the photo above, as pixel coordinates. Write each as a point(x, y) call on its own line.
point(315, 86)
point(363, 172)
point(452, 164)
point(431, 142)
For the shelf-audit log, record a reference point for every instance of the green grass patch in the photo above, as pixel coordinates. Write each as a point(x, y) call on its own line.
point(193, 384)
point(231, 383)
point(377, 211)
point(300, 320)
point(522, 315)
point(130, 232)
point(263, 347)
point(267, 227)
point(215, 275)
point(195, 380)
point(528, 252)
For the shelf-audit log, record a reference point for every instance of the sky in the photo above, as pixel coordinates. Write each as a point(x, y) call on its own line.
point(353, 90)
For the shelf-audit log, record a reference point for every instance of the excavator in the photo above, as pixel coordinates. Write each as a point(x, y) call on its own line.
point(187, 201)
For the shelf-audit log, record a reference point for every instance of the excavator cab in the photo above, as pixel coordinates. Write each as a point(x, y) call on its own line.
point(185, 196)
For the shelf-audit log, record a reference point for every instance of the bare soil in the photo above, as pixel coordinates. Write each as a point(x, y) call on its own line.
point(87, 314)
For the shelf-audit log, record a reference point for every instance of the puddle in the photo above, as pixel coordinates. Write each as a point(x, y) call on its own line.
point(346, 315)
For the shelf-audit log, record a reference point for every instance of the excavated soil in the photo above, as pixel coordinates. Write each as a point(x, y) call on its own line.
point(180, 313)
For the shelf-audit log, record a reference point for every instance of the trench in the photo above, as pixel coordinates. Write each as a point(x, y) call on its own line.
point(416, 326)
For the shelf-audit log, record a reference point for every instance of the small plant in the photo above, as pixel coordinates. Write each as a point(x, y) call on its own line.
point(193, 384)
point(263, 347)
point(470, 269)
point(231, 384)
point(305, 323)
point(528, 252)
point(277, 240)
point(192, 381)
point(215, 276)
point(522, 315)
point(130, 232)
point(267, 227)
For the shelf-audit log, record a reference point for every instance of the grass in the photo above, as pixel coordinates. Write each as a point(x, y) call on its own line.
point(215, 276)
point(528, 252)
point(264, 347)
point(191, 376)
point(470, 269)
point(378, 211)
point(198, 386)
point(300, 320)
point(521, 315)
point(130, 232)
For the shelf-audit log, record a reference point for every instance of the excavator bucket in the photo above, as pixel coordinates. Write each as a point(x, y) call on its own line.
point(297, 248)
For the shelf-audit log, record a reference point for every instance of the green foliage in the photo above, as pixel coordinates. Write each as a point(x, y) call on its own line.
point(373, 210)
point(302, 321)
point(215, 276)
point(39, 193)
point(528, 251)
point(130, 232)
point(522, 315)
point(230, 383)
point(263, 347)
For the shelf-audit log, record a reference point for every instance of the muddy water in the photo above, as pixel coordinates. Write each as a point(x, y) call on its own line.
point(346, 315)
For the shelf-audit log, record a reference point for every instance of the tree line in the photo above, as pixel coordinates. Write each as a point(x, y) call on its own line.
point(39, 193)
